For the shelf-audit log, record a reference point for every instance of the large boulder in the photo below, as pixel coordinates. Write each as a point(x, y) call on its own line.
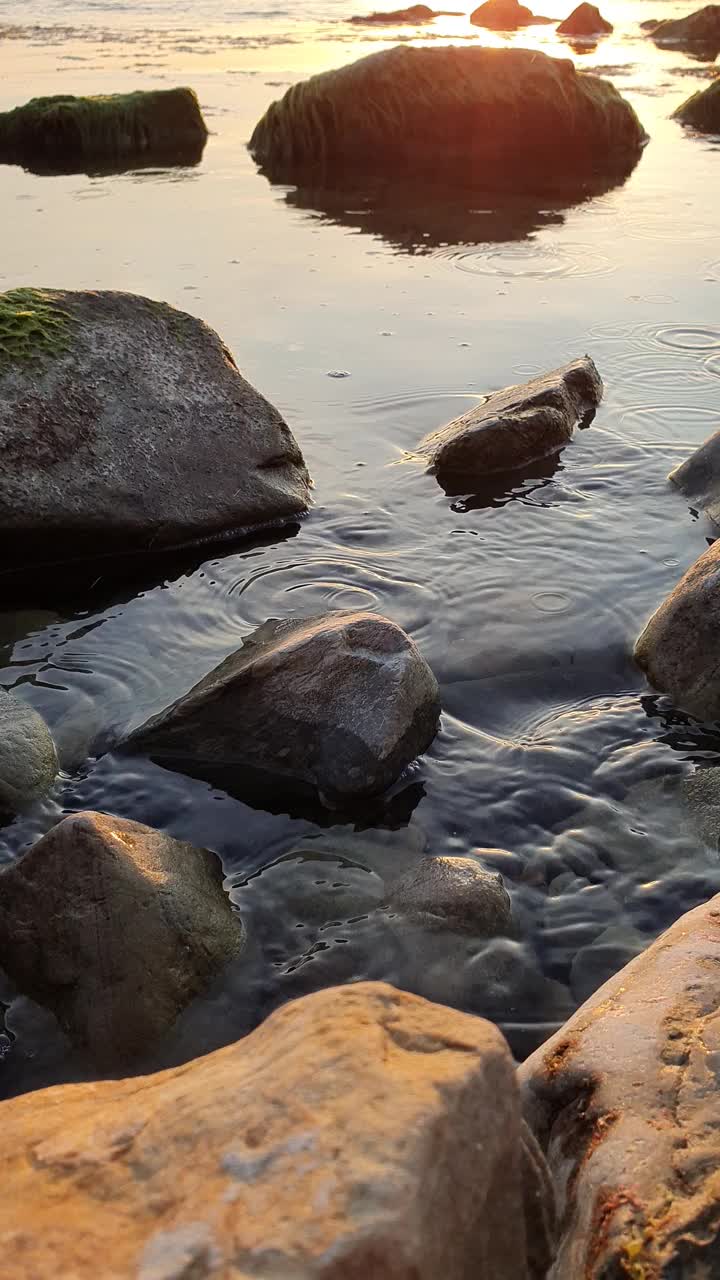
point(678, 648)
point(28, 761)
point(115, 927)
point(337, 704)
point(125, 426)
point(699, 476)
point(358, 1132)
point(585, 20)
point(702, 109)
point(452, 893)
point(65, 134)
point(506, 15)
point(625, 1104)
point(698, 33)
point(514, 427)
point(418, 111)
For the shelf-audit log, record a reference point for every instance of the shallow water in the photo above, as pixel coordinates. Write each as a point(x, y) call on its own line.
point(554, 764)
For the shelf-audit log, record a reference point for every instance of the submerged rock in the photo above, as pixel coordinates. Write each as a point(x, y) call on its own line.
point(514, 427)
point(699, 476)
point(416, 14)
point(699, 32)
point(452, 893)
point(357, 1132)
point(702, 112)
point(28, 760)
point(585, 20)
point(505, 15)
point(425, 111)
point(126, 427)
point(678, 648)
point(339, 703)
point(115, 927)
point(64, 134)
point(624, 1103)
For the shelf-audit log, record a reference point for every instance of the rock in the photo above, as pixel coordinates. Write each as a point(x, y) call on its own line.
point(115, 927)
point(422, 111)
point(514, 427)
point(624, 1102)
point(585, 20)
point(699, 476)
point(702, 112)
point(105, 399)
point(505, 15)
point(339, 704)
point(452, 893)
point(28, 762)
point(678, 648)
point(699, 32)
point(357, 1132)
point(64, 134)
point(416, 14)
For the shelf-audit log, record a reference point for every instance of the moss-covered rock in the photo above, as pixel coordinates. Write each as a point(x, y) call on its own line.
point(585, 20)
point(506, 15)
point(32, 326)
point(64, 133)
point(702, 110)
point(419, 111)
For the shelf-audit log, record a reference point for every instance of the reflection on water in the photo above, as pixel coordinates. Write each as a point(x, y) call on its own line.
point(554, 765)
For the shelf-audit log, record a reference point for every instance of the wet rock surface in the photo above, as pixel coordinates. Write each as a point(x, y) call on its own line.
point(678, 648)
point(702, 112)
point(585, 20)
point(424, 111)
point(624, 1103)
point(337, 704)
point(452, 893)
point(104, 401)
point(67, 134)
point(234, 1164)
point(699, 476)
point(514, 427)
point(28, 761)
point(115, 927)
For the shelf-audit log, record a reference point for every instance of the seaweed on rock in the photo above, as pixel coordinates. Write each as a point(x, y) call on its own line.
point(64, 133)
point(32, 326)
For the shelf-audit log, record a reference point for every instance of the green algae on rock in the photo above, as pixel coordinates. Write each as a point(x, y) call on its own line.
point(420, 110)
point(702, 110)
point(64, 133)
point(32, 326)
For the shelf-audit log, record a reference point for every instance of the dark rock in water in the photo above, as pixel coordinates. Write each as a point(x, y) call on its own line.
point(699, 476)
point(416, 14)
point(28, 761)
point(506, 15)
point(585, 20)
point(338, 704)
point(64, 134)
point(702, 112)
point(678, 650)
point(624, 1103)
point(698, 33)
point(452, 893)
point(126, 427)
point(514, 427)
point(420, 111)
point(115, 927)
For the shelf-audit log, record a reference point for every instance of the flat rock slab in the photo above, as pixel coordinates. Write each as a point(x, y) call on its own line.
point(126, 427)
point(514, 427)
point(115, 927)
point(624, 1102)
point(338, 704)
point(415, 15)
point(416, 112)
point(678, 650)
point(28, 760)
point(359, 1132)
